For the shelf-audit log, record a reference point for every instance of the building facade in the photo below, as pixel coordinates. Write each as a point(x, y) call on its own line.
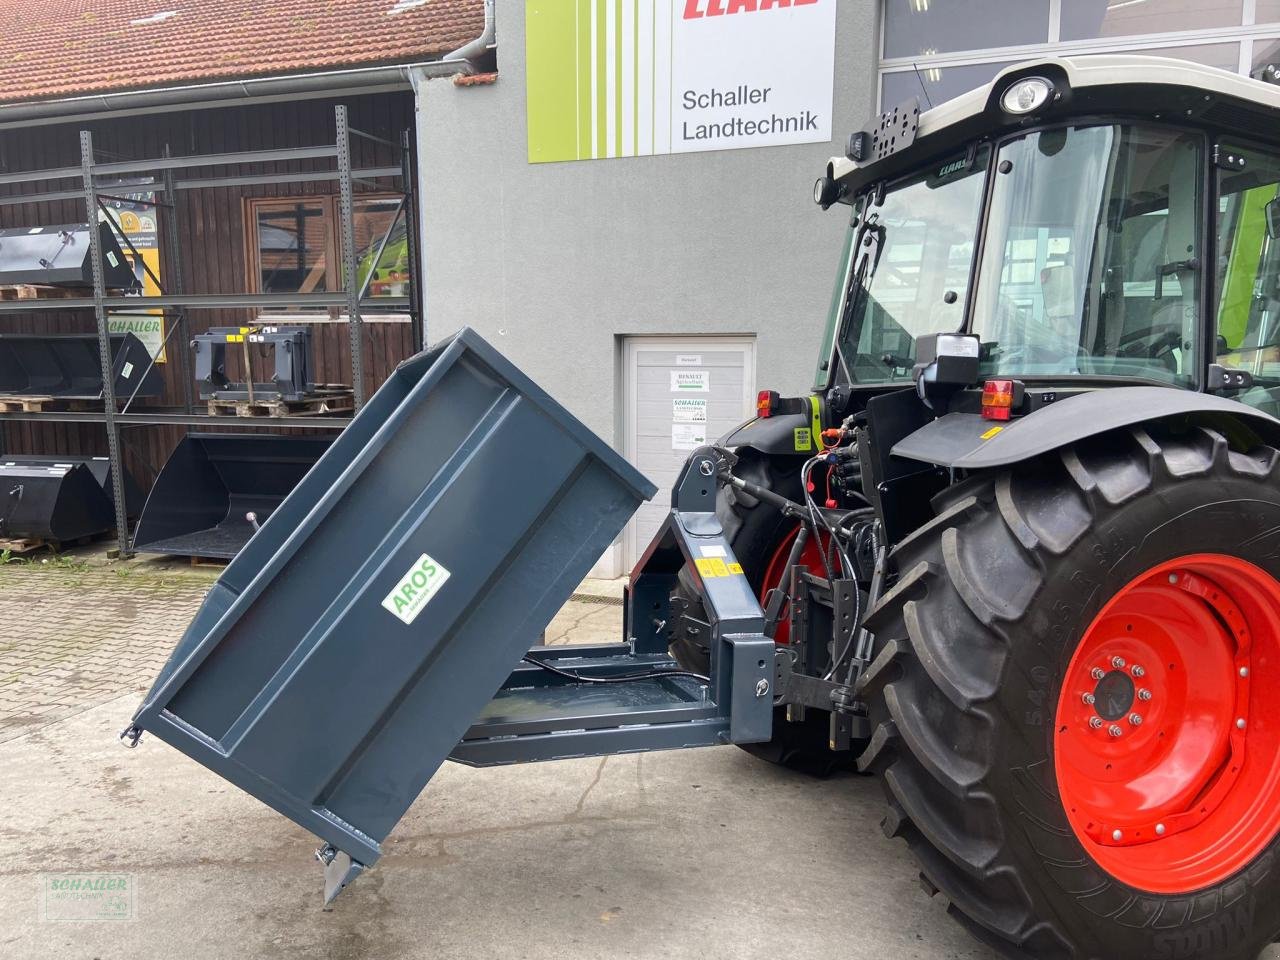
point(610, 280)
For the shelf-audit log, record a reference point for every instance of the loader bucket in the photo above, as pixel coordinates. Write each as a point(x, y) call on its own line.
point(58, 501)
point(212, 482)
point(347, 649)
point(100, 467)
point(67, 366)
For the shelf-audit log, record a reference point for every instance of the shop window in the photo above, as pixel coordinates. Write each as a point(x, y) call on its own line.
point(935, 85)
point(294, 246)
point(1093, 19)
point(924, 28)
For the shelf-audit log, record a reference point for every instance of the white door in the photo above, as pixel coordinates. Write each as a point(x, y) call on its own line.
point(678, 393)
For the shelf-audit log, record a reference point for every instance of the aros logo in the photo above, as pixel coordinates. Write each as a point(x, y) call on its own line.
point(696, 9)
point(416, 587)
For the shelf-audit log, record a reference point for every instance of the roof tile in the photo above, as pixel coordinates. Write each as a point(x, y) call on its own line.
point(63, 48)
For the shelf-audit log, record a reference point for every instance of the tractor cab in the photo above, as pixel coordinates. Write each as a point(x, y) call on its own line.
point(1091, 222)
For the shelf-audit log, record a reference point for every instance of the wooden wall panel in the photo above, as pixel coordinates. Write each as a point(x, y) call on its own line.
point(211, 231)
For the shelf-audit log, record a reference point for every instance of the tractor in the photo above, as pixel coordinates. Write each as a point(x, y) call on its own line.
point(1016, 554)
point(1020, 545)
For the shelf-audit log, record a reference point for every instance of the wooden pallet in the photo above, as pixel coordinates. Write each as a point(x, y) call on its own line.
point(31, 291)
point(21, 545)
point(328, 400)
point(15, 403)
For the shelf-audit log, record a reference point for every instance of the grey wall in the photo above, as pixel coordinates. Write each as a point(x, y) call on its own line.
point(554, 262)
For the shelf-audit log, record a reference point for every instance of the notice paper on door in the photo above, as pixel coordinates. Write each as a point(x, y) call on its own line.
point(688, 410)
point(688, 436)
point(690, 381)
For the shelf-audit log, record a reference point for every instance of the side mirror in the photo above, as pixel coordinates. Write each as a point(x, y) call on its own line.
point(1272, 213)
point(945, 363)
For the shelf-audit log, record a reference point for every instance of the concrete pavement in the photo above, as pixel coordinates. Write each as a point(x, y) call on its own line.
point(701, 854)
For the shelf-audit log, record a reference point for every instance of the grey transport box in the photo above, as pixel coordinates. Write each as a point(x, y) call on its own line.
point(360, 634)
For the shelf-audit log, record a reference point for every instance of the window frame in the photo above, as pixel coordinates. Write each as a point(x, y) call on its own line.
point(333, 246)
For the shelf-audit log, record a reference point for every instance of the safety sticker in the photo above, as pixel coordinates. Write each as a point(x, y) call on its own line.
point(711, 567)
point(803, 438)
point(127, 370)
point(991, 433)
point(415, 589)
point(713, 551)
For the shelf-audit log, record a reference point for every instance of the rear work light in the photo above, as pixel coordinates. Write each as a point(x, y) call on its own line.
point(766, 403)
point(1000, 398)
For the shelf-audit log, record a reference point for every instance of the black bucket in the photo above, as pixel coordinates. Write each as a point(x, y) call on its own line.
point(68, 366)
point(201, 500)
point(57, 502)
point(60, 498)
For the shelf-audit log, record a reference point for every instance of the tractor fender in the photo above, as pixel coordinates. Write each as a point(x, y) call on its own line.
point(967, 441)
point(783, 433)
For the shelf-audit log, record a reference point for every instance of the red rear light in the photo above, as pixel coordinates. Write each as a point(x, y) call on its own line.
point(999, 397)
point(766, 402)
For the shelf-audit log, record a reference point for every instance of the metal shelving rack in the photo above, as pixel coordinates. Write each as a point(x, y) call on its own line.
point(175, 303)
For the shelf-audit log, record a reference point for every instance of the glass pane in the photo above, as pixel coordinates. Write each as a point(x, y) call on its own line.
point(935, 85)
point(1090, 264)
point(293, 243)
point(1248, 309)
point(1266, 11)
point(1224, 56)
point(1265, 52)
point(1091, 19)
point(821, 374)
point(920, 28)
point(373, 220)
point(912, 278)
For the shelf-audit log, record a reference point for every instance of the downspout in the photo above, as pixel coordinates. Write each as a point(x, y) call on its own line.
point(479, 46)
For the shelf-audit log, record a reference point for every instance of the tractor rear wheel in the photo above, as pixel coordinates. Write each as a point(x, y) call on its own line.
point(1076, 700)
point(761, 539)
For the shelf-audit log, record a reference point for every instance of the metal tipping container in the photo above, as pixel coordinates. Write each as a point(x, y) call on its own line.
point(202, 500)
point(351, 644)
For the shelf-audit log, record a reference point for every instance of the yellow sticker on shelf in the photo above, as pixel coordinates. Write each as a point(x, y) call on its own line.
point(991, 433)
point(735, 568)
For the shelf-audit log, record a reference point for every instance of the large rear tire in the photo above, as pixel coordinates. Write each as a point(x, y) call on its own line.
point(756, 532)
point(1020, 613)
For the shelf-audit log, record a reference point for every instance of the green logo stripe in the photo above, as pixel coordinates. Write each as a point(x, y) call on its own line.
point(553, 86)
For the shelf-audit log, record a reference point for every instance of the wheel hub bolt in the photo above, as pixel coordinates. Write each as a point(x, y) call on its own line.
point(1115, 731)
point(1139, 672)
point(1161, 830)
point(1244, 672)
point(1135, 719)
point(1098, 673)
point(1118, 662)
point(1240, 724)
point(1118, 836)
point(1173, 578)
point(1089, 699)
point(1095, 722)
point(1144, 695)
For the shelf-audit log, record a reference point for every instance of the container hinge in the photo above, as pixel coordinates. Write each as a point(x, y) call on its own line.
point(130, 736)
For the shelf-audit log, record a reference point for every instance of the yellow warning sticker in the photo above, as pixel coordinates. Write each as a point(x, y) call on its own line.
point(803, 438)
point(735, 568)
point(991, 433)
point(234, 338)
point(712, 567)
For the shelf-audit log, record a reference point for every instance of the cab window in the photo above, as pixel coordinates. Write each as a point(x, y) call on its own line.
point(1248, 274)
